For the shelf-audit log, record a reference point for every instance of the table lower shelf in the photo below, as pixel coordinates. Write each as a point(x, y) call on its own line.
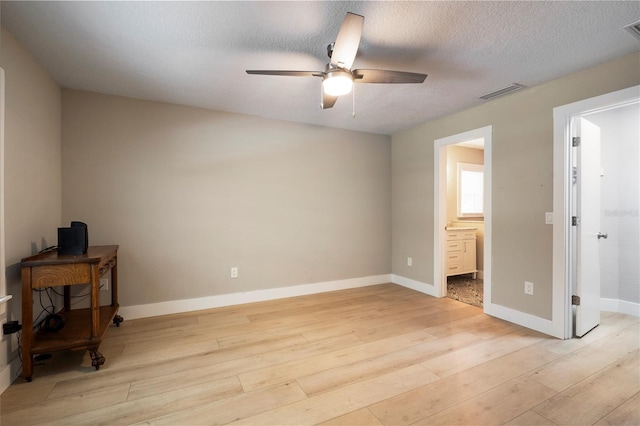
point(76, 332)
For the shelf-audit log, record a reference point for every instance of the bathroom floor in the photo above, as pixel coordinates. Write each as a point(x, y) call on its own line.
point(465, 289)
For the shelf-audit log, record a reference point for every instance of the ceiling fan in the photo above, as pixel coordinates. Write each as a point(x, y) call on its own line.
point(338, 77)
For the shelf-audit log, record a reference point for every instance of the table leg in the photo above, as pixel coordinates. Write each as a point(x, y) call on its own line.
point(95, 302)
point(27, 324)
point(114, 284)
point(67, 298)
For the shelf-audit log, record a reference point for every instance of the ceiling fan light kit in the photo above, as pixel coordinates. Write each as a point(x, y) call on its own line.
point(337, 82)
point(338, 77)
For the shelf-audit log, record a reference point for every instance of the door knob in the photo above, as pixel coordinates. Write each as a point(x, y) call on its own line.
point(601, 235)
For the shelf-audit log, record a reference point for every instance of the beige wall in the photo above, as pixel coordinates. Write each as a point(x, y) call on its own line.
point(522, 166)
point(32, 164)
point(188, 193)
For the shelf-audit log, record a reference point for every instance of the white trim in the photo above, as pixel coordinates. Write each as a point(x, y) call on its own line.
point(562, 116)
point(439, 207)
point(5, 373)
point(526, 320)
point(3, 283)
point(217, 301)
point(560, 293)
point(414, 285)
point(621, 306)
point(9, 373)
point(521, 318)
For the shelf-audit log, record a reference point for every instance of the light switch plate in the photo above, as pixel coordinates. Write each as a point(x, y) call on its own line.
point(548, 218)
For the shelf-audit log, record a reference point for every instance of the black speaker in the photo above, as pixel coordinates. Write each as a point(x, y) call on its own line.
point(73, 240)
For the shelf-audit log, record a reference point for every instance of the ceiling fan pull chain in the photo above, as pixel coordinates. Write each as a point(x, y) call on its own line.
point(353, 97)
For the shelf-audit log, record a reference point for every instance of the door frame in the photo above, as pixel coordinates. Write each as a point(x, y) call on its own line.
point(562, 311)
point(439, 209)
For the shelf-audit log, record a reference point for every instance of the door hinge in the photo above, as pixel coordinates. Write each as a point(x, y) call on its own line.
point(575, 221)
point(575, 141)
point(575, 300)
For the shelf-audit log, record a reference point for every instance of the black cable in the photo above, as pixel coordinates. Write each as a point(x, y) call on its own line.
point(19, 372)
point(53, 306)
point(73, 297)
point(48, 249)
point(53, 321)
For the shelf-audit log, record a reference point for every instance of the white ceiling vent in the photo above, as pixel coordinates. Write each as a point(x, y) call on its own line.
point(514, 87)
point(634, 29)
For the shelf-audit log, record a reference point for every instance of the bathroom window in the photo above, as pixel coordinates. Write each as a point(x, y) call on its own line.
point(470, 190)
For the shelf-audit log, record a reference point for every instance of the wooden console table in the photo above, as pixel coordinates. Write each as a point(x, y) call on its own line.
point(83, 328)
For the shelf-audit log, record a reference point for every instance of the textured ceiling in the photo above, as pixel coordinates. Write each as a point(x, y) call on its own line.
point(196, 53)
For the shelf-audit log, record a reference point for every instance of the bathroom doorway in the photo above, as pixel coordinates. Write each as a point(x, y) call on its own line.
point(462, 213)
point(465, 222)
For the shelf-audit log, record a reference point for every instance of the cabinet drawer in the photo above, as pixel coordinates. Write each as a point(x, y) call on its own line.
point(56, 275)
point(461, 235)
point(454, 268)
point(455, 246)
point(454, 235)
point(454, 257)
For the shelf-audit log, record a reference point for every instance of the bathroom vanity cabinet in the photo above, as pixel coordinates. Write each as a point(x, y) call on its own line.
point(461, 251)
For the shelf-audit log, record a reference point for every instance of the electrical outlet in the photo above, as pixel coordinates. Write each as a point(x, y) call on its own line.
point(104, 284)
point(234, 272)
point(528, 287)
point(409, 261)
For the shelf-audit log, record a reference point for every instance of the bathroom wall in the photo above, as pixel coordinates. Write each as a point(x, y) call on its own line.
point(619, 267)
point(460, 154)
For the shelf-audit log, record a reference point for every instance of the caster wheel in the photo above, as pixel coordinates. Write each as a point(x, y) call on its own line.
point(97, 359)
point(117, 320)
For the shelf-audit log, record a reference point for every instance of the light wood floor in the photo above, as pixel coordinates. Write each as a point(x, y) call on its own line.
point(380, 355)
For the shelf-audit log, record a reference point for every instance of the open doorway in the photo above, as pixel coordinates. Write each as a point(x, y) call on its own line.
point(462, 217)
point(579, 295)
point(464, 231)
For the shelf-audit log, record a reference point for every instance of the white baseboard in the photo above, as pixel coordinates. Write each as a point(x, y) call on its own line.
point(522, 318)
point(621, 306)
point(414, 285)
point(9, 373)
point(217, 301)
point(507, 314)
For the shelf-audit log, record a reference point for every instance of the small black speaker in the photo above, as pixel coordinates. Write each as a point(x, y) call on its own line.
point(73, 240)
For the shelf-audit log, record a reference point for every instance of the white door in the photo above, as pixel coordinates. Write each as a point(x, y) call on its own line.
point(588, 228)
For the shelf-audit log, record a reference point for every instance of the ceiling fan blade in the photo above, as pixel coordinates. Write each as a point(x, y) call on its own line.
point(327, 100)
point(383, 76)
point(347, 42)
point(287, 73)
